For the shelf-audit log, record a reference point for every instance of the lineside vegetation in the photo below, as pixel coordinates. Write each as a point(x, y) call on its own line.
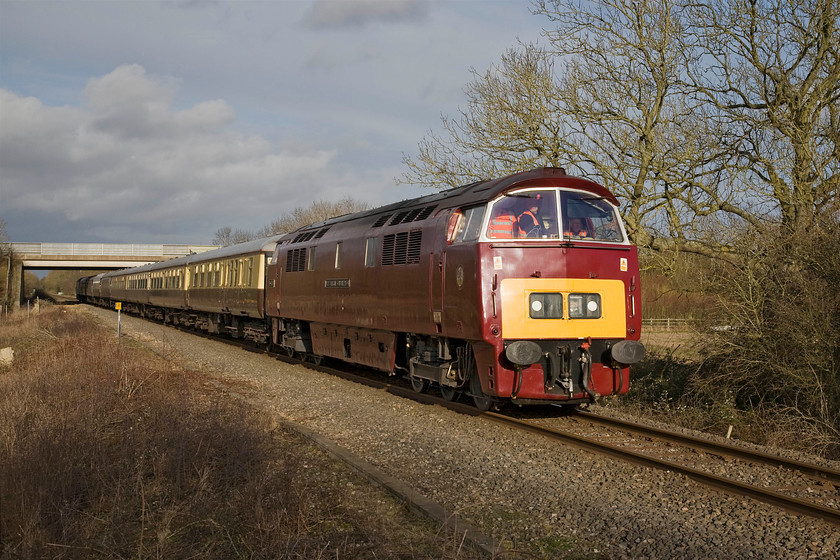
point(110, 451)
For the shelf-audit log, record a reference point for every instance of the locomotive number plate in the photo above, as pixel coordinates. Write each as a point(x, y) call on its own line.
point(337, 283)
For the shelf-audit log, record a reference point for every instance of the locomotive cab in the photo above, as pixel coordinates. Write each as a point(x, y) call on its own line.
point(558, 289)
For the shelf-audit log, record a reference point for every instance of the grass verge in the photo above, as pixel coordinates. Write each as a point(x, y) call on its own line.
point(110, 451)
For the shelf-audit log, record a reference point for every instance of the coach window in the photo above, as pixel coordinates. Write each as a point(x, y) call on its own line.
point(370, 252)
point(338, 255)
point(250, 271)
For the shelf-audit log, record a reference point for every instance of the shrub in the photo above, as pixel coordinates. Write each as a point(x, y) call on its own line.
point(777, 341)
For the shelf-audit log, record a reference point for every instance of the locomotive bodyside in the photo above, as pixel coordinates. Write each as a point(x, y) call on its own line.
point(436, 288)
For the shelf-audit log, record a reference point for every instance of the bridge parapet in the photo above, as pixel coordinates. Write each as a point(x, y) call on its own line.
point(107, 249)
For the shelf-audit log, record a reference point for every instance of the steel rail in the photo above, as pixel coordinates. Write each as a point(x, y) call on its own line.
point(728, 485)
point(717, 447)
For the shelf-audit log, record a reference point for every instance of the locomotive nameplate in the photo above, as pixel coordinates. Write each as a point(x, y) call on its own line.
point(337, 283)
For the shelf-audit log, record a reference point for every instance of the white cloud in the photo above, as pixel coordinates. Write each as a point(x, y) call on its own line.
point(163, 121)
point(128, 158)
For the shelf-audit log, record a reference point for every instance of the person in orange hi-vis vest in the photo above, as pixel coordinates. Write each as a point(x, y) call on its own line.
point(503, 224)
point(528, 223)
point(577, 228)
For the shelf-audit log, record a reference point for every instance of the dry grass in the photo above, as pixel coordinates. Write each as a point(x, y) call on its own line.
point(112, 452)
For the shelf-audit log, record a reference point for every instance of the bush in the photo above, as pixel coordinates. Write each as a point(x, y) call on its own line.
point(776, 340)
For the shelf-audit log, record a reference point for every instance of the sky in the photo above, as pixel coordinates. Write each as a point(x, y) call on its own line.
point(162, 121)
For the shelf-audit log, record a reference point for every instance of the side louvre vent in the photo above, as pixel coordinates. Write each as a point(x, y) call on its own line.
point(381, 221)
point(425, 213)
point(415, 239)
point(415, 215)
point(388, 249)
point(321, 233)
point(296, 260)
point(402, 248)
point(399, 218)
point(305, 236)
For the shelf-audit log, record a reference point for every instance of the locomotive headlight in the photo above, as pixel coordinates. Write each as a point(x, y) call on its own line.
point(545, 306)
point(584, 306)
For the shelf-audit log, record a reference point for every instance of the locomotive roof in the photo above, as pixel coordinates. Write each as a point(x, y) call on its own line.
point(480, 191)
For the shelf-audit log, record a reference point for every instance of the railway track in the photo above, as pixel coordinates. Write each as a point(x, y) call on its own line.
point(796, 486)
point(799, 487)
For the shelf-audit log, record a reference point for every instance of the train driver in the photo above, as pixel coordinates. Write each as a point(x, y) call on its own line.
point(577, 228)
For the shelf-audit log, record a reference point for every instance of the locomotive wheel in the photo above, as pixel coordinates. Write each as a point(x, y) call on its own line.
point(449, 393)
point(419, 385)
point(482, 402)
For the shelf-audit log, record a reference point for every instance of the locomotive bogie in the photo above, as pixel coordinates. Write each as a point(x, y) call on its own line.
point(438, 360)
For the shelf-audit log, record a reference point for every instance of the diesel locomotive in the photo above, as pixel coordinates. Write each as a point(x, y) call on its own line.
point(523, 289)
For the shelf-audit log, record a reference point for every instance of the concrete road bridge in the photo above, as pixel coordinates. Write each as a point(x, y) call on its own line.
point(84, 256)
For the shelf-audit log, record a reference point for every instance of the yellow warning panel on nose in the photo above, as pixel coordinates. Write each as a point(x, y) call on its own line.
point(517, 320)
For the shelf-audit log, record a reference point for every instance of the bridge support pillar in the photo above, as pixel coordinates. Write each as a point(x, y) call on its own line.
point(12, 283)
point(16, 284)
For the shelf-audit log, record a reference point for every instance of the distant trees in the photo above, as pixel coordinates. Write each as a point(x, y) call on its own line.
point(225, 236)
point(318, 211)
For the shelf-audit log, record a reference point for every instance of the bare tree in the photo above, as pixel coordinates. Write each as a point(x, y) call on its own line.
point(625, 94)
point(770, 69)
point(225, 236)
point(318, 211)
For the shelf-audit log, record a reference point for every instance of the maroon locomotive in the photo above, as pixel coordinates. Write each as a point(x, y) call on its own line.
point(521, 289)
